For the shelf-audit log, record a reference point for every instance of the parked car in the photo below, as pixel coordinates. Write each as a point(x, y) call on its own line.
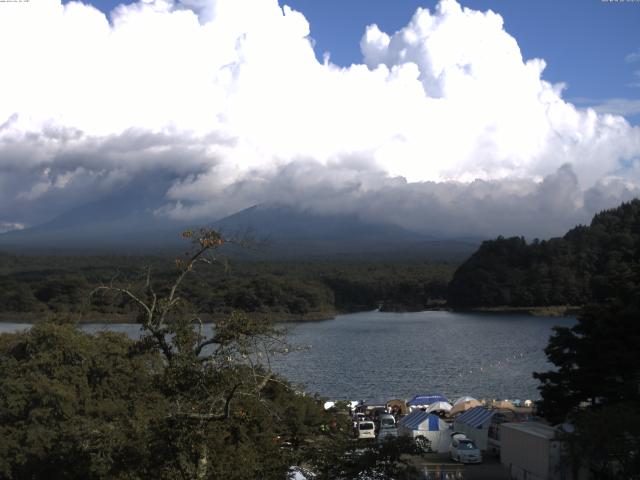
point(366, 429)
point(385, 420)
point(463, 449)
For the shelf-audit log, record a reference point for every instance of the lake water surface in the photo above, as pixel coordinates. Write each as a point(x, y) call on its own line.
point(379, 355)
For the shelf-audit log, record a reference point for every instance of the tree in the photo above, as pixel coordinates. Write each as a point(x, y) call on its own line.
point(597, 361)
point(605, 442)
point(186, 401)
point(214, 382)
point(596, 385)
point(75, 406)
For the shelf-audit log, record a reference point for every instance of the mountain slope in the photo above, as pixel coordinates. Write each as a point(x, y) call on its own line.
point(118, 224)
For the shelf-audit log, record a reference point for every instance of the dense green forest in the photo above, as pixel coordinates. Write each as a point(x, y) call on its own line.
point(177, 403)
point(507, 272)
point(590, 263)
point(31, 286)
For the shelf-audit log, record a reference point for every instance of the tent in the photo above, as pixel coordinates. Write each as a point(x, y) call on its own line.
point(426, 400)
point(464, 406)
point(422, 424)
point(397, 405)
point(474, 423)
point(439, 407)
point(463, 399)
point(503, 404)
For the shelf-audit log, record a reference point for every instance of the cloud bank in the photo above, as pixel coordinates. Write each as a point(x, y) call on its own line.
point(442, 127)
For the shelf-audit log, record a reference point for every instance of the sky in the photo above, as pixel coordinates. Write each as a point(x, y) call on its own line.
point(482, 117)
point(584, 42)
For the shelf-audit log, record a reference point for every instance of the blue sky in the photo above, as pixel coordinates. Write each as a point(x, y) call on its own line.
point(584, 42)
point(439, 124)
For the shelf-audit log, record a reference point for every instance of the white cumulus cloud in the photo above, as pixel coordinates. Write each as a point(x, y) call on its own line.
point(228, 98)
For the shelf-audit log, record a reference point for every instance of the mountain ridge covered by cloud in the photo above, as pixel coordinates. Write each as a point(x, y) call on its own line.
point(443, 127)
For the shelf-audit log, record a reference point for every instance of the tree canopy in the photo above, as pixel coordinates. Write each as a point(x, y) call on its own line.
point(183, 402)
point(573, 270)
point(596, 381)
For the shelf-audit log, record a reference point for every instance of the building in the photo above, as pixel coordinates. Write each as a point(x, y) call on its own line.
point(531, 451)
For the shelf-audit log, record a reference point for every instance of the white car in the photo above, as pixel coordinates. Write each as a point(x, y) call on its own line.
point(366, 429)
point(463, 449)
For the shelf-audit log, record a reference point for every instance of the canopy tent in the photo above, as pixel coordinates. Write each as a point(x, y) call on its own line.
point(503, 404)
point(423, 424)
point(426, 400)
point(464, 406)
point(466, 398)
point(439, 407)
point(397, 405)
point(474, 423)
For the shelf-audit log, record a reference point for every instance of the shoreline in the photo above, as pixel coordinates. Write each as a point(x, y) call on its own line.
point(115, 318)
point(281, 317)
point(548, 311)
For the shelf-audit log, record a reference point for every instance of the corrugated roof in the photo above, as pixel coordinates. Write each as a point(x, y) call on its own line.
point(415, 419)
point(533, 428)
point(475, 417)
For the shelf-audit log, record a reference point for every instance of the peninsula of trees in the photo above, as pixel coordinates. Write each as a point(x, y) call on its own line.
point(587, 265)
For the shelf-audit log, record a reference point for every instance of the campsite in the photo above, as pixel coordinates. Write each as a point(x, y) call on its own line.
point(432, 421)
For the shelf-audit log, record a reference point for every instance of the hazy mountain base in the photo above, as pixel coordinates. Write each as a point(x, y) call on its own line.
point(112, 226)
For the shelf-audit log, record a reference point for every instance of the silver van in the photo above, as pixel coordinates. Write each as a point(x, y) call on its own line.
point(386, 420)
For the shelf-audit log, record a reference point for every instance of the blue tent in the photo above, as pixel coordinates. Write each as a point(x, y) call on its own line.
point(426, 400)
point(422, 424)
point(414, 420)
point(475, 423)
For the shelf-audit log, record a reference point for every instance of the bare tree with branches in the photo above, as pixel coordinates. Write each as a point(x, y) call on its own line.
point(207, 370)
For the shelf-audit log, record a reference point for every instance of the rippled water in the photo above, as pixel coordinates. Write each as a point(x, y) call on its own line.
point(373, 355)
point(397, 355)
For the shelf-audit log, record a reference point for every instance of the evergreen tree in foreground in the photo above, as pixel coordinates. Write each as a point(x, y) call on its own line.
point(596, 383)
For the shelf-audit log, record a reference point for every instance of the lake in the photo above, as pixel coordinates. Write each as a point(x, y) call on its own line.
point(380, 355)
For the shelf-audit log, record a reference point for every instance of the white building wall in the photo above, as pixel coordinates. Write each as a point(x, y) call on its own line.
point(526, 454)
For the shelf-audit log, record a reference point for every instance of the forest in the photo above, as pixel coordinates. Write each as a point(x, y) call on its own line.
point(179, 404)
point(506, 272)
point(34, 286)
point(588, 264)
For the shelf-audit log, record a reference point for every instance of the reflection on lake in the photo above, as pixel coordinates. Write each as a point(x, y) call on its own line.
point(387, 355)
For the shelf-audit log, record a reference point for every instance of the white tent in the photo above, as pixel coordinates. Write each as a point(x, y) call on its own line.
point(463, 399)
point(464, 406)
point(328, 405)
point(439, 407)
point(422, 424)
